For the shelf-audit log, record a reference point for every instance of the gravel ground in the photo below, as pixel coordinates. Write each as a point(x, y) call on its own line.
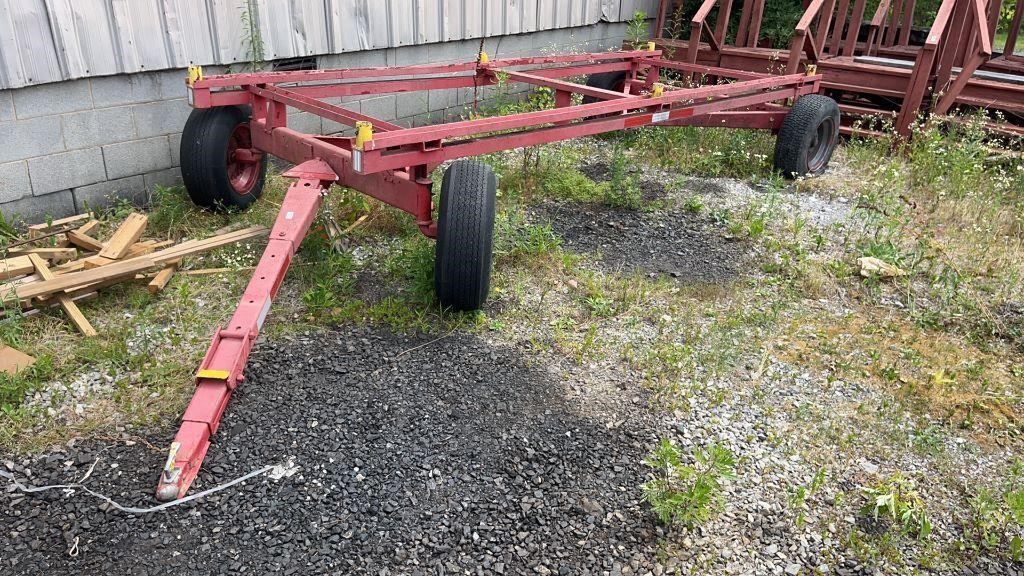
point(414, 456)
point(463, 454)
point(685, 246)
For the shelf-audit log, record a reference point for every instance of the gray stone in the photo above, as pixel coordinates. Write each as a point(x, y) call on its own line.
point(412, 104)
point(104, 193)
point(98, 127)
point(449, 52)
point(137, 157)
point(14, 182)
point(165, 178)
point(303, 121)
point(413, 55)
point(158, 118)
point(362, 59)
point(28, 138)
point(175, 144)
point(6, 106)
point(33, 209)
point(440, 99)
point(66, 170)
point(380, 107)
point(172, 82)
point(126, 89)
point(55, 98)
point(513, 45)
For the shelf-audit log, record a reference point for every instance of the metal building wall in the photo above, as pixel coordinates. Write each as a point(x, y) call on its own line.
point(51, 40)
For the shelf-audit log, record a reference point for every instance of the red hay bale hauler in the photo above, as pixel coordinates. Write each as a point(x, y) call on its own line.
point(240, 118)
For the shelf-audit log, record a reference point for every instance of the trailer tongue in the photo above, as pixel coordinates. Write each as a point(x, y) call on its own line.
point(240, 118)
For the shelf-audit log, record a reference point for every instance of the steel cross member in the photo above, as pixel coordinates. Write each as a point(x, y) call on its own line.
point(221, 370)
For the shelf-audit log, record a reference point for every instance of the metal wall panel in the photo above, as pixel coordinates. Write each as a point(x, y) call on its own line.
point(28, 51)
point(50, 40)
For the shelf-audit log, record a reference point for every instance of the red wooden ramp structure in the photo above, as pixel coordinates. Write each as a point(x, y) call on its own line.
point(876, 63)
point(239, 119)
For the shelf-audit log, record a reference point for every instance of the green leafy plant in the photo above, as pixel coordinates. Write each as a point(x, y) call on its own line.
point(998, 515)
point(637, 31)
point(896, 497)
point(687, 493)
point(623, 190)
point(253, 39)
point(804, 492)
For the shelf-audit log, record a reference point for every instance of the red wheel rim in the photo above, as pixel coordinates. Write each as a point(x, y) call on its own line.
point(243, 160)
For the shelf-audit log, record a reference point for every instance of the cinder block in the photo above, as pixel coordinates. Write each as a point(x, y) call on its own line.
point(66, 170)
point(166, 178)
point(172, 82)
point(14, 182)
point(303, 121)
point(175, 143)
point(447, 52)
point(6, 106)
point(137, 157)
point(164, 117)
point(380, 107)
point(98, 127)
point(125, 89)
point(440, 99)
point(27, 138)
point(103, 194)
point(413, 55)
point(412, 104)
point(35, 209)
point(55, 98)
point(361, 59)
point(513, 44)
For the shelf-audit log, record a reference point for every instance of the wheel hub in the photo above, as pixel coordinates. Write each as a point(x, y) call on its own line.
point(243, 160)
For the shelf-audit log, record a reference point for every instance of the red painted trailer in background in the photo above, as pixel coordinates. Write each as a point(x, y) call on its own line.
point(241, 118)
point(871, 66)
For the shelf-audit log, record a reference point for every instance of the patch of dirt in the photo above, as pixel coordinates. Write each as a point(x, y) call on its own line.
point(680, 245)
point(416, 455)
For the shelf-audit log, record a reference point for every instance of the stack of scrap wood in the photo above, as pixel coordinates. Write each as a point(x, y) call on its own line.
point(62, 262)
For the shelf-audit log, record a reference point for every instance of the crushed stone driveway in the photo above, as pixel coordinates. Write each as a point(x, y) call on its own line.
point(415, 455)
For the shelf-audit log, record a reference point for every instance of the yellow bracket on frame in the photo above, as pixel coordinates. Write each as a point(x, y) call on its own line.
point(364, 134)
point(195, 74)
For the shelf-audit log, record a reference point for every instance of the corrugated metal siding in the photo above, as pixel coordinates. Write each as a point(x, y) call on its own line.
point(50, 40)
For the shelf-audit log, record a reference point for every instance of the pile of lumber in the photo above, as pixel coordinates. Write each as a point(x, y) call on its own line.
point(63, 262)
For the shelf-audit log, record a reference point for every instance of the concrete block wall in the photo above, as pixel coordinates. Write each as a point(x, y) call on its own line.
point(82, 143)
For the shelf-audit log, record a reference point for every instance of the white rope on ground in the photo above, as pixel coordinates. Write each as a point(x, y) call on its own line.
point(276, 472)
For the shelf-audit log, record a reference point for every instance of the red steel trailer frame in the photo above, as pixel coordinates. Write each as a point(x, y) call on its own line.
point(393, 164)
point(879, 73)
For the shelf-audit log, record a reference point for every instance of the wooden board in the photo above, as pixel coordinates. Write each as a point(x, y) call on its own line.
point(89, 227)
point(125, 236)
point(83, 240)
point(69, 306)
point(55, 255)
point(36, 230)
point(137, 249)
point(198, 246)
point(159, 282)
point(16, 266)
point(73, 280)
point(13, 361)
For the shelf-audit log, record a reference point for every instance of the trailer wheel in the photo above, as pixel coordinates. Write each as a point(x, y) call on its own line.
point(614, 81)
point(218, 167)
point(465, 230)
point(808, 136)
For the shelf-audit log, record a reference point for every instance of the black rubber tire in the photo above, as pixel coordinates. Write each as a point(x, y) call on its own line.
point(465, 235)
point(808, 137)
point(605, 81)
point(204, 164)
